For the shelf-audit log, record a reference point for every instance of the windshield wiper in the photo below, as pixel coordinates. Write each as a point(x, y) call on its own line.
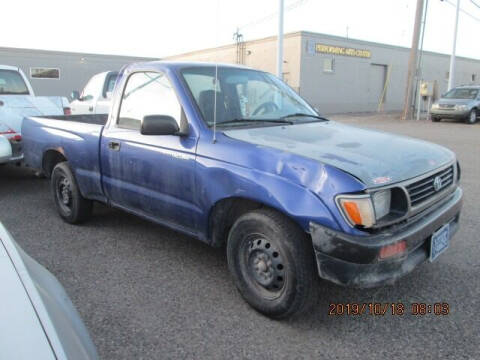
point(254, 121)
point(304, 115)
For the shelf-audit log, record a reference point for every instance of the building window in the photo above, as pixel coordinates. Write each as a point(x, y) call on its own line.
point(44, 73)
point(328, 65)
point(474, 77)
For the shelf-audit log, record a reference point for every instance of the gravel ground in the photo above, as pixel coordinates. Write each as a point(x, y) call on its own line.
point(146, 292)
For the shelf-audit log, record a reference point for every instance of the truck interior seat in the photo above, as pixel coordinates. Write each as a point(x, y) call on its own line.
point(206, 102)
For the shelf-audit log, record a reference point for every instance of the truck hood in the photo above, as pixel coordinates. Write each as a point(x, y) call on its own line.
point(375, 158)
point(13, 108)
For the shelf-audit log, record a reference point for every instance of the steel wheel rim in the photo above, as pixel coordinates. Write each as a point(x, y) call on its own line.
point(265, 265)
point(63, 189)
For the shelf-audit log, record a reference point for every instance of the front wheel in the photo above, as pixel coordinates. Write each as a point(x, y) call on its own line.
point(435, 119)
point(272, 264)
point(472, 117)
point(71, 205)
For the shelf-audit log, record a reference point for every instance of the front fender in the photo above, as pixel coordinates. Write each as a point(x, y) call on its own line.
point(302, 188)
point(218, 180)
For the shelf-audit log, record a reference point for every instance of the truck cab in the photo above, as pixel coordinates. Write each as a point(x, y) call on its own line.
point(96, 97)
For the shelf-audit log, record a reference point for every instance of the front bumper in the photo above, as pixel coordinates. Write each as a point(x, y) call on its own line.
point(449, 113)
point(354, 260)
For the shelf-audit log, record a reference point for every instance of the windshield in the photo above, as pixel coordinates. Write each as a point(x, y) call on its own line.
point(11, 83)
point(243, 96)
point(464, 93)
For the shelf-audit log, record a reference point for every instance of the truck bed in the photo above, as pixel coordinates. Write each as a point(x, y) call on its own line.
point(76, 137)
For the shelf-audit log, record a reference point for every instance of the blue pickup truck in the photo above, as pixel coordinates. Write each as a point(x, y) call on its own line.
point(234, 157)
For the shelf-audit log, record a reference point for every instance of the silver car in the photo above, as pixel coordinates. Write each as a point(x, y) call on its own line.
point(37, 319)
point(462, 103)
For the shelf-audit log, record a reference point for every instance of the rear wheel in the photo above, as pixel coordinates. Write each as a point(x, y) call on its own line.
point(70, 203)
point(472, 117)
point(272, 263)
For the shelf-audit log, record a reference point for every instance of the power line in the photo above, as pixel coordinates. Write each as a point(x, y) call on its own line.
point(273, 15)
point(463, 11)
point(474, 3)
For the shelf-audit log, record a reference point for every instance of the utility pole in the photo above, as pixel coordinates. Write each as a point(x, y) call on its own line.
point(412, 62)
point(451, 74)
point(280, 41)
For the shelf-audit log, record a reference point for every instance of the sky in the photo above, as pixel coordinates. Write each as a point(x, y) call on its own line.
point(161, 28)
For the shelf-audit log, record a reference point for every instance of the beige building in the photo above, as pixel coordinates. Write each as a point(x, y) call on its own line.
point(337, 74)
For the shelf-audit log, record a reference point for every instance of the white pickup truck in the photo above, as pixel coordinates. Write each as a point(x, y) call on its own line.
point(17, 100)
point(96, 97)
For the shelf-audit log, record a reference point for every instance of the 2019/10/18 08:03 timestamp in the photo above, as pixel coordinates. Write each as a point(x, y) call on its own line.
point(381, 309)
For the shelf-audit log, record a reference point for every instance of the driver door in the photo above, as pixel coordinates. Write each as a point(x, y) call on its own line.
point(151, 175)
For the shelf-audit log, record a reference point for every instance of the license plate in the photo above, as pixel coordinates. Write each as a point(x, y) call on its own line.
point(440, 241)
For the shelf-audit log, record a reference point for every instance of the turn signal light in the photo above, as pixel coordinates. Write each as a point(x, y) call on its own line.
point(393, 250)
point(353, 213)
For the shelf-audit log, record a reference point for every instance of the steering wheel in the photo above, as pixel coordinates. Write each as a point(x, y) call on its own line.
point(265, 108)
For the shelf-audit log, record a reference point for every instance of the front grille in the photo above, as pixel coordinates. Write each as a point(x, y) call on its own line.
point(446, 106)
point(424, 189)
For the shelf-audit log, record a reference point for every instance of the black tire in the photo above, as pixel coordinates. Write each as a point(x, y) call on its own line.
point(435, 119)
point(472, 117)
point(71, 205)
point(272, 263)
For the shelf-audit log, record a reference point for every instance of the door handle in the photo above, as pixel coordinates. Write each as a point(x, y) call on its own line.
point(113, 145)
point(90, 108)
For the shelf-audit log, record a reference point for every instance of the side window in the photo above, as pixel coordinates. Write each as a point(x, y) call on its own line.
point(147, 93)
point(112, 78)
point(93, 88)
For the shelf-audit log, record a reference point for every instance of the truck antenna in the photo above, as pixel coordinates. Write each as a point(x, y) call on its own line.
point(214, 140)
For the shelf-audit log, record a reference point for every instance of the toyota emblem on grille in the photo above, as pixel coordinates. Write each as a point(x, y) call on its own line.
point(437, 183)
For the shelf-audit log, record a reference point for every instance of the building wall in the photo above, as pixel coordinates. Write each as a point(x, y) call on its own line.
point(357, 84)
point(75, 68)
point(259, 54)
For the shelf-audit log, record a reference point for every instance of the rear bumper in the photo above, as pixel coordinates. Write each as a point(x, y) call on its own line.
point(354, 260)
point(10, 151)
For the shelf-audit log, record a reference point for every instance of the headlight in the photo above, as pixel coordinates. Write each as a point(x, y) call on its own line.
point(435, 106)
point(461, 107)
point(365, 210)
point(381, 203)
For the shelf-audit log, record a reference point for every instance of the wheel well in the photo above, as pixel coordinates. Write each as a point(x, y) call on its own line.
point(50, 159)
point(224, 214)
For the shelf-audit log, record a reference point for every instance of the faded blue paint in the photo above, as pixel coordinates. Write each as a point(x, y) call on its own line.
point(176, 180)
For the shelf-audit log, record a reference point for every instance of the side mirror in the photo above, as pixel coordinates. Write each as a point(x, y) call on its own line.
point(159, 125)
point(75, 95)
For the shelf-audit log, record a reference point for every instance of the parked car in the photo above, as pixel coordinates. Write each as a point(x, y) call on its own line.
point(96, 96)
point(234, 156)
point(462, 103)
point(37, 318)
point(17, 100)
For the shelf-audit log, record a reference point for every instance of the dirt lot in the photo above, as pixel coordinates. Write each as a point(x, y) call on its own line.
point(146, 292)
